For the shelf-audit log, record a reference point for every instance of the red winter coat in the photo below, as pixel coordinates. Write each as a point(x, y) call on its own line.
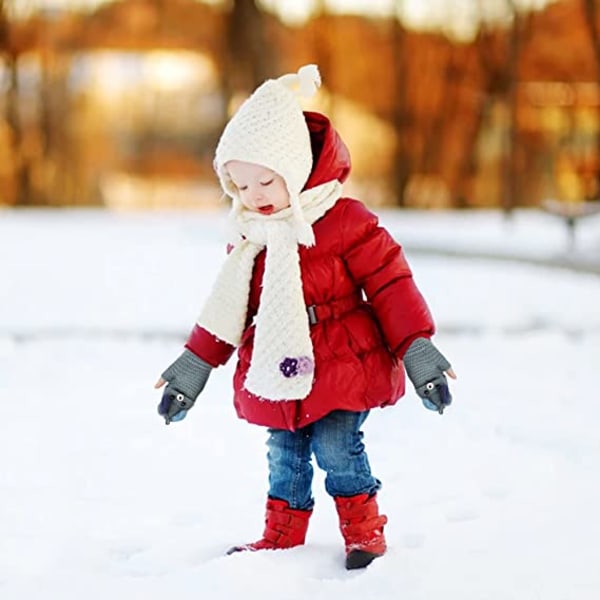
point(361, 291)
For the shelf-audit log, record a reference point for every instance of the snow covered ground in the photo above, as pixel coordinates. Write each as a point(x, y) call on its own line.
point(497, 499)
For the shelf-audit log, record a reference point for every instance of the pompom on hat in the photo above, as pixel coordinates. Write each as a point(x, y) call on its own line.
point(269, 129)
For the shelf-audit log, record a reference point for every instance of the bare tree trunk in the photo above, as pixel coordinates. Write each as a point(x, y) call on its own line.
point(23, 184)
point(502, 77)
point(401, 116)
point(323, 53)
point(4, 26)
point(54, 124)
point(22, 171)
point(511, 193)
point(449, 95)
point(251, 60)
point(469, 164)
point(591, 13)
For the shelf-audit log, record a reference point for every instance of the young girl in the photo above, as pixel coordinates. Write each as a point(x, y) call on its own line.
point(321, 305)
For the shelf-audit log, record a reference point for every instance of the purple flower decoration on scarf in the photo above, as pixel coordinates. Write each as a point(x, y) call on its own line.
point(305, 365)
point(292, 367)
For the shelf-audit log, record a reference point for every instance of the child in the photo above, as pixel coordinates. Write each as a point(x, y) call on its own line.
point(321, 305)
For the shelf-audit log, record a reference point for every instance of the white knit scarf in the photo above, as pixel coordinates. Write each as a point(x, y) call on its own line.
point(282, 363)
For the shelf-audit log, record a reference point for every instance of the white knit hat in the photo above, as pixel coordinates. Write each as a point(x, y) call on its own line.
point(269, 129)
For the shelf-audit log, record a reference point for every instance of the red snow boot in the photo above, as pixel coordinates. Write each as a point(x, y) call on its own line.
point(362, 528)
point(285, 527)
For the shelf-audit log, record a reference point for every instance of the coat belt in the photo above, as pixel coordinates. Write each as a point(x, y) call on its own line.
point(333, 309)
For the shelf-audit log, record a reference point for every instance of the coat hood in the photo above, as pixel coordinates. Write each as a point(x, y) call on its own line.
point(331, 159)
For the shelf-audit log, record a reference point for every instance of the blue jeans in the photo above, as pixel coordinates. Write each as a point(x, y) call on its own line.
point(336, 442)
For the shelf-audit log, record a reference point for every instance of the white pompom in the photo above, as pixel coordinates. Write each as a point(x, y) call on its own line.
point(305, 82)
point(309, 79)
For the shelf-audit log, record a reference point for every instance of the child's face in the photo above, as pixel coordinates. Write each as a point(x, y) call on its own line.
point(260, 189)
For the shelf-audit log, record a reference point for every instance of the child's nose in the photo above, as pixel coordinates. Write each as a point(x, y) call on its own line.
point(257, 196)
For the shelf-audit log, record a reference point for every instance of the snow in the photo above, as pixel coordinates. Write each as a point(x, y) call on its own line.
point(99, 499)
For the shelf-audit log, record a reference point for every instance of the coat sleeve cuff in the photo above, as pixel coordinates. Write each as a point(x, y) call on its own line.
point(209, 347)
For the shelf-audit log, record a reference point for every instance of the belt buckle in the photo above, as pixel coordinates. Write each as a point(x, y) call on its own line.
point(312, 314)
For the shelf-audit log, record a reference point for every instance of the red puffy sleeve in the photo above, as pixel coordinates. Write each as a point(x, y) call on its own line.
point(377, 264)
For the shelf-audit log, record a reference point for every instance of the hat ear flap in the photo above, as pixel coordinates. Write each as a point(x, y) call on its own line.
point(226, 182)
point(304, 232)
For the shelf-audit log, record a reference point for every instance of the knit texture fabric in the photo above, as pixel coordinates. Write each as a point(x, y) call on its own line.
point(424, 363)
point(188, 374)
point(425, 366)
point(282, 363)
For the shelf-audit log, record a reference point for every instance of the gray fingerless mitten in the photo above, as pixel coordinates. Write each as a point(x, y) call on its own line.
point(187, 377)
point(425, 366)
point(188, 374)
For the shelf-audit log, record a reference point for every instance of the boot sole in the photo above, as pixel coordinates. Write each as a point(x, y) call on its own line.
point(359, 559)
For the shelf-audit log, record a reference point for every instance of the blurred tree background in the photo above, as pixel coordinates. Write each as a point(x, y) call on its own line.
point(120, 104)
